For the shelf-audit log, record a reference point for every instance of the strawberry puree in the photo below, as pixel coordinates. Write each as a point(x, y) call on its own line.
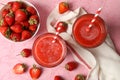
point(46, 52)
point(92, 38)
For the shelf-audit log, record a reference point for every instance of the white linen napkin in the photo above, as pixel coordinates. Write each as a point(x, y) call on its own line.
point(102, 61)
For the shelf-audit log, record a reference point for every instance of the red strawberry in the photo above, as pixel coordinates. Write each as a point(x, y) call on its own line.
point(15, 36)
point(61, 27)
point(19, 68)
point(10, 19)
point(16, 5)
point(20, 15)
point(5, 12)
point(25, 34)
point(25, 24)
point(63, 7)
point(71, 65)
point(35, 72)
point(25, 52)
point(3, 22)
point(10, 4)
point(79, 77)
point(31, 10)
point(17, 28)
point(58, 78)
point(5, 31)
point(33, 28)
point(33, 20)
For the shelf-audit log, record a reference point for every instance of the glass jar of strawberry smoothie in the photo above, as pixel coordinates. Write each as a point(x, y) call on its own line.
point(47, 53)
point(96, 34)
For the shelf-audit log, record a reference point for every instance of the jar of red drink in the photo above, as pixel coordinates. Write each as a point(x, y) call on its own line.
point(92, 37)
point(48, 53)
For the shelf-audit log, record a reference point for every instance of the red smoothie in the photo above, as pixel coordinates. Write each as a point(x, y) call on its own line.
point(47, 53)
point(92, 38)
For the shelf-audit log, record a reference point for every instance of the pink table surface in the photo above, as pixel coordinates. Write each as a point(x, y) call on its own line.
point(8, 50)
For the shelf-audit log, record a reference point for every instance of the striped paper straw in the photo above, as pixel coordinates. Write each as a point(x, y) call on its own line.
point(94, 18)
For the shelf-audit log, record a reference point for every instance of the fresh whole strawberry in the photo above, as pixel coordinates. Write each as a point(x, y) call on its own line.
point(35, 72)
point(71, 65)
point(5, 31)
point(25, 35)
point(10, 18)
point(33, 20)
point(33, 28)
point(17, 28)
point(61, 27)
point(10, 4)
point(19, 68)
point(16, 5)
point(25, 24)
point(31, 10)
point(15, 36)
point(58, 78)
point(3, 22)
point(79, 77)
point(5, 12)
point(25, 52)
point(63, 7)
point(21, 15)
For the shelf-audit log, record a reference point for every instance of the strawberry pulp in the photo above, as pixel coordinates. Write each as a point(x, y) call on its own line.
point(47, 53)
point(92, 38)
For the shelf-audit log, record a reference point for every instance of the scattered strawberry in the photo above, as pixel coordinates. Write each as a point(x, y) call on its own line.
point(35, 72)
point(15, 37)
point(61, 27)
point(25, 35)
point(25, 52)
point(19, 68)
point(71, 65)
point(63, 7)
point(79, 77)
point(58, 78)
point(5, 12)
point(33, 28)
point(16, 5)
point(17, 28)
point(31, 10)
point(33, 20)
point(9, 18)
point(20, 15)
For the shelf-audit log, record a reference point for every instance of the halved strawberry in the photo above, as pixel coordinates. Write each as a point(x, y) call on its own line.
point(19, 68)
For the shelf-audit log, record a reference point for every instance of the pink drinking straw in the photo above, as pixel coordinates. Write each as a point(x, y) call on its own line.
point(95, 16)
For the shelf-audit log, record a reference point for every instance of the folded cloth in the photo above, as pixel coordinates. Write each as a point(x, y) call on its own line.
point(102, 61)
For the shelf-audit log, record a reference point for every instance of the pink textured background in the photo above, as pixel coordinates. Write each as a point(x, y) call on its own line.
point(8, 50)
